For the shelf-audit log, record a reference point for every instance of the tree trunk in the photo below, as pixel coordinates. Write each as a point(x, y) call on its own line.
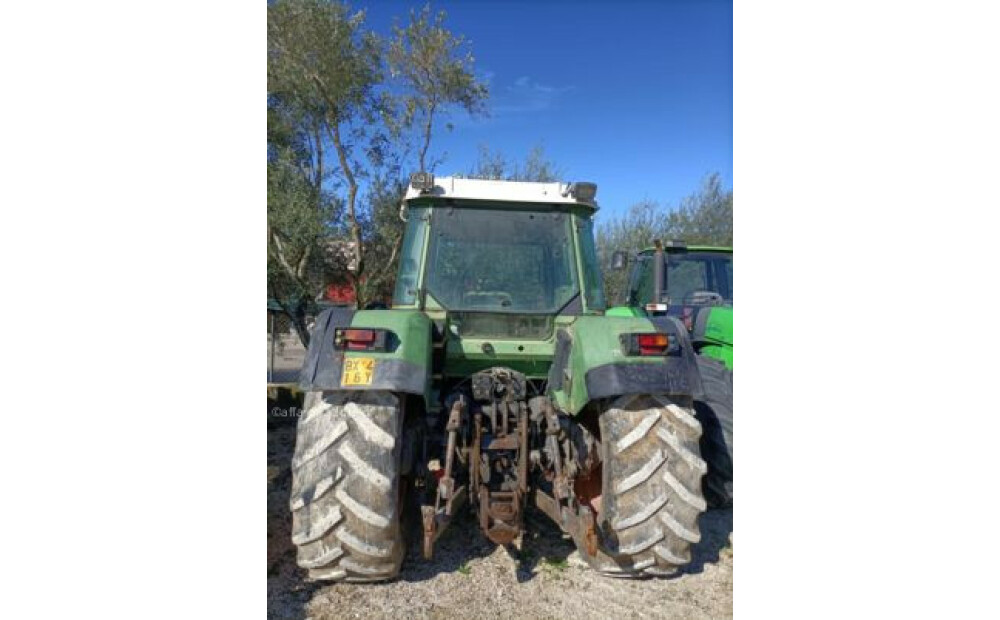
point(296, 313)
point(352, 195)
point(301, 330)
point(427, 136)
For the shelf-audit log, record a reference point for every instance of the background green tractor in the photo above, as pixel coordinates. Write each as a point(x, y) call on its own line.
point(695, 285)
point(495, 380)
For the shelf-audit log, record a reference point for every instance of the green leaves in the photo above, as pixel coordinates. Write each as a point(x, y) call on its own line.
point(319, 58)
point(705, 217)
point(495, 166)
point(434, 72)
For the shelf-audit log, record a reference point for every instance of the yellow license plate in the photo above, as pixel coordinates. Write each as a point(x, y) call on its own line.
point(358, 371)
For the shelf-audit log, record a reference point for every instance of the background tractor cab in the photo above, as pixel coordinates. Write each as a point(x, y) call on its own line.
point(691, 283)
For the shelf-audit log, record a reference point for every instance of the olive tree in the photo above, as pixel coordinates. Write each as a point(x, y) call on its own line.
point(435, 72)
point(338, 125)
point(326, 67)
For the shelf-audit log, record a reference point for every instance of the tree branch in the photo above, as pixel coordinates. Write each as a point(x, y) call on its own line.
point(319, 163)
point(300, 271)
point(280, 254)
point(382, 274)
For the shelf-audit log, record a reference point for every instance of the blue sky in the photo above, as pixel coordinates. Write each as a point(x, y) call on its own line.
point(636, 95)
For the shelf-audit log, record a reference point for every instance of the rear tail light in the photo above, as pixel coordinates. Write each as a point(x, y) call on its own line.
point(361, 339)
point(646, 344)
point(652, 344)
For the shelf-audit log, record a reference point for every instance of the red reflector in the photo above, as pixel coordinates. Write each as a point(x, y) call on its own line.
point(652, 340)
point(361, 339)
point(652, 344)
point(359, 335)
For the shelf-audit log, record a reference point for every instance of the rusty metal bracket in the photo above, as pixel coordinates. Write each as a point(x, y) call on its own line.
point(522, 455)
point(548, 504)
point(446, 485)
point(436, 521)
point(436, 518)
point(474, 462)
point(582, 526)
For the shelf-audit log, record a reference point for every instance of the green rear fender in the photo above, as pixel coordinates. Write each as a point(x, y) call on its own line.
point(590, 362)
point(404, 368)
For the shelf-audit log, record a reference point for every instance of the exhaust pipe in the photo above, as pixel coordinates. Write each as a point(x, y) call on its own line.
point(658, 272)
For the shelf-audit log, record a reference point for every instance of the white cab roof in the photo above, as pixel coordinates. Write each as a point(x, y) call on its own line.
point(513, 191)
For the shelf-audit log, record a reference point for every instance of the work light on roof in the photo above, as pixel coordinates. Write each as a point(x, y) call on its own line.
point(584, 192)
point(422, 181)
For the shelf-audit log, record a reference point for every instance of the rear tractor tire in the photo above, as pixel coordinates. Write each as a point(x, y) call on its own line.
point(651, 486)
point(345, 486)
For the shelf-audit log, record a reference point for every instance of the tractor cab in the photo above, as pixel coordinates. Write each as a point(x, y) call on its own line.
point(691, 277)
point(499, 247)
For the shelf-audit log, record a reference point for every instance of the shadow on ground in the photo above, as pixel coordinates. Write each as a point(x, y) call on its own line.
point(716, 526)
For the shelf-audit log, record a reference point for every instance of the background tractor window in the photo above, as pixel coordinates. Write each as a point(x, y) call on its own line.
point(640, 286)
point(685, 274)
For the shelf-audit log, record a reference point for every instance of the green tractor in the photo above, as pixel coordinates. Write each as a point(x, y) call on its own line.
point(495, 381)
point(695, 285)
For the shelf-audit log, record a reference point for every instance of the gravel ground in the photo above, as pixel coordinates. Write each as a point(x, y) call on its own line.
point(472, 578)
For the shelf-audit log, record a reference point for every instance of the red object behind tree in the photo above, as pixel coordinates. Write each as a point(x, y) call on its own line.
point(340, 293)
